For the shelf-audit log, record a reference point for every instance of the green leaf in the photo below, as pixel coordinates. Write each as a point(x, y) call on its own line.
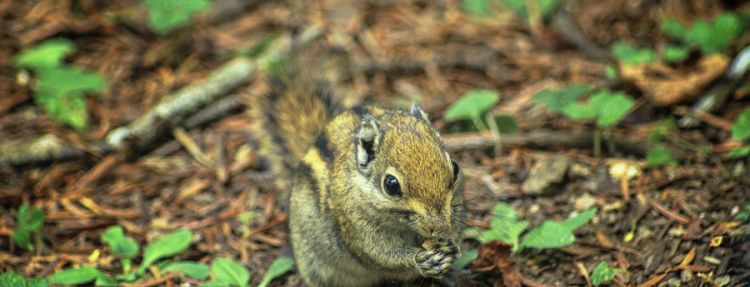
point(579, 112)
point(744, 214)
point(279, 266)
point(608, 108)
point(739, 152)
point(119, 244)
point(75, 276)
point(61, 93)
point(167, 15)
point(614, 109)
point(44, 55)
point(472, 106)
point(579, 220)
point(11, 279)
point(28, 220)
point(659, 156)
point(549, 235)
point(715, 36)
point(630, 55)
point(106, 281)
point(672, 28)
point(504, 226)
point(741, 126)
point(602, 273)
point(169, 245)
point(22, 237)
point(506, 124)
point(675, 54)
point(214, 283)
point(610, 72)
point(558, 99)
point(192, 269)
point(466, 258)
point(477, 7)
point(228, 271)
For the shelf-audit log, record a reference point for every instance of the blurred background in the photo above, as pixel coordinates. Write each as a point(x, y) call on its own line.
point(607, 141)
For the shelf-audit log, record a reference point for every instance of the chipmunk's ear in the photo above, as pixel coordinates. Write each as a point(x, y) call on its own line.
point(368, 141)
point(417, 112)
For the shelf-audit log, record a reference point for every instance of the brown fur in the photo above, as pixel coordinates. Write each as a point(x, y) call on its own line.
point(345, 230)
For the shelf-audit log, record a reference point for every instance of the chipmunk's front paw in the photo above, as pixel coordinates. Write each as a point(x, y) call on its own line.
point(438, 259)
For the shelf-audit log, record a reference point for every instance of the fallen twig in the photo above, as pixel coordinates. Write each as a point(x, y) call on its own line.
point(168, 113)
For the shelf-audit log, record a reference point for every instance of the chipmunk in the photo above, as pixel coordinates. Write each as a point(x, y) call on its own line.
point(375, 196)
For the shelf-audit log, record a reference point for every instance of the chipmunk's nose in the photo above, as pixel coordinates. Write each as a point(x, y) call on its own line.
point(438, 227)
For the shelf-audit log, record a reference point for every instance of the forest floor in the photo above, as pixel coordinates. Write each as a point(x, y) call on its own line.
point(674, 223)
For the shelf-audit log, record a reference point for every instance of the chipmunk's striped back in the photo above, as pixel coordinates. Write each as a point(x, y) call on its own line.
point(290, 117)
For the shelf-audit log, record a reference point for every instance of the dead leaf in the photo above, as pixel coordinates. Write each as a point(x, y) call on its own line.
point(666, 86)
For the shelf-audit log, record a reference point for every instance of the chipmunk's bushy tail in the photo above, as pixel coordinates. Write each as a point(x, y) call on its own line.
point(290, 116)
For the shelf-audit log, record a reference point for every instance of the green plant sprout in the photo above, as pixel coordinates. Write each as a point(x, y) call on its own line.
point(557, 99)
point(484, 8)
point(472, 106)
point(466, 258)
point(630, 55)
point(29, 222)
point(124, 247)
point(12, 279)
point(222, 272)
point(603, 273)
point(279, 267)
point(741, 132)
point(227, 272)
point(60, 89)
point(709, 36)
point(505, 227)
point(743, 215)
point(659, 155)
point(165, 16)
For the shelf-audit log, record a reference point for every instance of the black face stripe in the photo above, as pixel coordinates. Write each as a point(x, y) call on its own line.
point(321, 143)
point(359, 110)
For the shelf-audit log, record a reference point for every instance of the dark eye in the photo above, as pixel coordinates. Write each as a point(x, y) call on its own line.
point(391, 185)
point(455, 170)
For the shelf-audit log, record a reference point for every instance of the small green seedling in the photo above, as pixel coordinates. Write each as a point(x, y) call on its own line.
point(29, 222)
point(12, 279)
point(675, 54)
point(603, 274)
point(659, 156)
point(227, 272)
point(741, 132)
point(75, 276)
point(166, 246)
point(124, 247)
point(743, 215)
point(505, 227)
point(165, 16)
point(741, 126)
point(630, 55)
point(606, 108)
point(472, 106)
point(709, 36)
point(484, 8)
point(60, 89)
point(466, 258)
point(191, 269)
point(279, 267)
point(557, 99)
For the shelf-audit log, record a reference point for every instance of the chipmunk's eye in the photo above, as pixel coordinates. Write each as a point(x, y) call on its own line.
point(455, 170)
point(391, 185)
